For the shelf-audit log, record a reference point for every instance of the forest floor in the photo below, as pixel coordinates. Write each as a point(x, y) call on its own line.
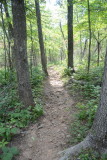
point(50, 135)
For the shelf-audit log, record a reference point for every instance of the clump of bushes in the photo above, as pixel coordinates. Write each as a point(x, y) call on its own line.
point(13, 115)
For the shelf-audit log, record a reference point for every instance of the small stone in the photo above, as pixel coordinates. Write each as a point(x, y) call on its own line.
point(68, 136)
point(30, 145)
point(41, 126)
point(32, 128)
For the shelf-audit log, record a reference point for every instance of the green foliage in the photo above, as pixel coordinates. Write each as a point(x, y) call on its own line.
point(87, 107)
point(6, 132)
point(36, 81)
point(89, 155)
point(94, 77)
point(13, 115)
point(104, 157)
point(87, 111)
point(9, 153)
point(6, 77)
point(67, 72)
point(91, 91)
point(18, 118)
point(78, 131)
point(37, 111)
point(37, 77)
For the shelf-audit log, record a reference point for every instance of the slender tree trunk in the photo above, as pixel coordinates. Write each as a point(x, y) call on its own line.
point(50, 57)
point(7, 36)
point(85, 46)
point(10, 32)
point(89, 23)
point(5, 54)
point(98, 45)
point(61, 53)
point(62, 34)
point(81, 46)
point(40, 36)
point(98, 59)
point(20, 46)
point(32, 49)
point(10, 27)
point(81, 56)
point(70, 35)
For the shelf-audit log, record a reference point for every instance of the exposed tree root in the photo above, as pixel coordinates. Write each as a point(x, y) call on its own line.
point(75, 150)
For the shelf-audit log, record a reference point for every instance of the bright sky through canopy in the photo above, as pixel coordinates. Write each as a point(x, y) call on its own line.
point(51, 5)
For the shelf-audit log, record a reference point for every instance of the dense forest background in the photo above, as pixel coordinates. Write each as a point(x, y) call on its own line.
point(54, 26)
point(70, 35)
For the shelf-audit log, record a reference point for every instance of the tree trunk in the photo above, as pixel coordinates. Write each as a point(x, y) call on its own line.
point(81, 46)
point(10, 32)
point(99, 128)
point(10, 27)
point(98, 45)
point(32, 48)
point(98, 59)
point(40, 36)
point(97, 137)
point(85, 46)
point(89, 23)
point(60, 25)
point(20, 46)
point(70, 34)
point(7, 36)
point(5, 53)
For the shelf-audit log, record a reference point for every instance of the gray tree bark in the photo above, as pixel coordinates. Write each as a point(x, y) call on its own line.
point(7, 36)
point(10, 27)
point(90, 35)
point(40, 36)
point(70, 35)
point(20, 48)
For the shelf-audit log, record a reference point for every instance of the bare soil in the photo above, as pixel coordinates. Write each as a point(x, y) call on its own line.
point(50, 135)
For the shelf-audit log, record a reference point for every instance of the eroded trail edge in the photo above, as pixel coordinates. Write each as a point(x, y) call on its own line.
point(44, 139)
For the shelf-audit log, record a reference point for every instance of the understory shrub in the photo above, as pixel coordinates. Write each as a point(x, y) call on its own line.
point(88, 103)
point(13, 115)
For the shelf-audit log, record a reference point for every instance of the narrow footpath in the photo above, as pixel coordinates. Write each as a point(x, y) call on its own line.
point(44, 139)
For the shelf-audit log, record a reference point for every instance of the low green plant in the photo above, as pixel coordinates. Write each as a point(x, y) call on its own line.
point(87, 111)
point(91, 91)
point(88, 103)
point(67, 72)
point(78, 131)
point(89, 155)
point(37, 77)
point(9, 153)
point(13, 115)
point(94, 76)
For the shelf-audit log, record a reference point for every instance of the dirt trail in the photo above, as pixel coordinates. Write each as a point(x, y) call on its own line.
point(43, 140)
